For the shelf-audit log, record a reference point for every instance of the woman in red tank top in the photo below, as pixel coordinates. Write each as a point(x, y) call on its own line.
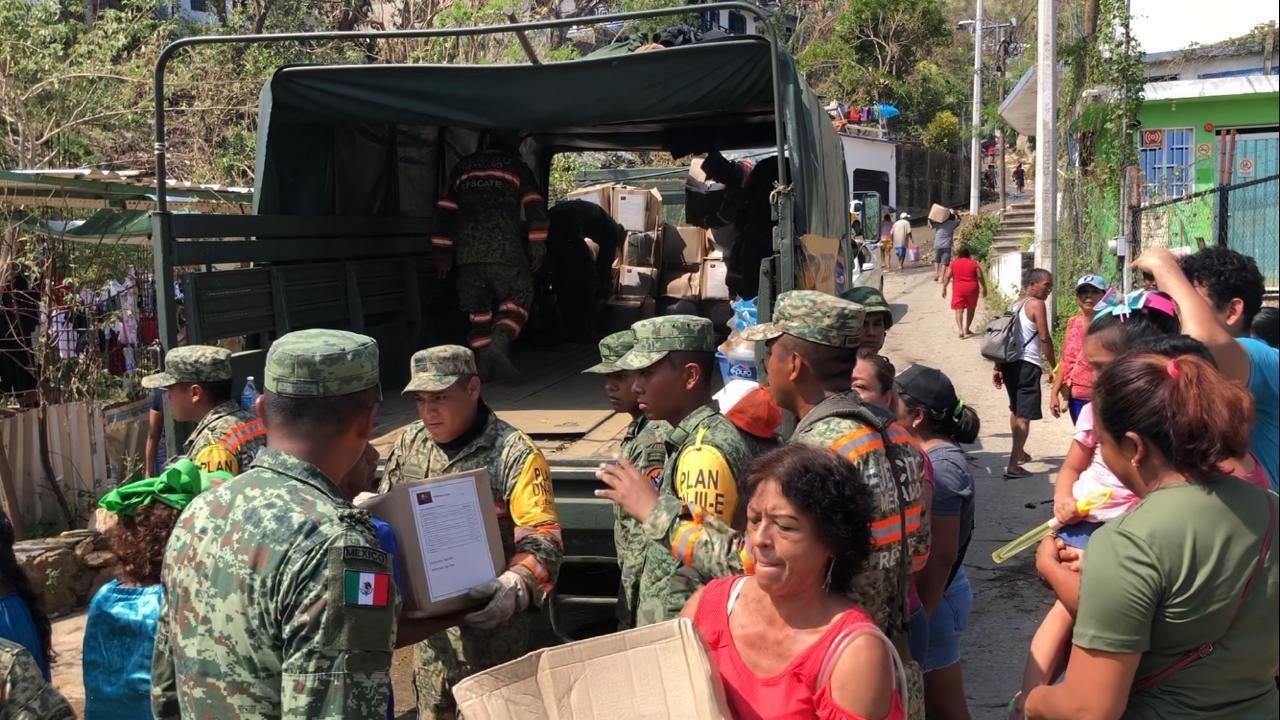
point(786, 647)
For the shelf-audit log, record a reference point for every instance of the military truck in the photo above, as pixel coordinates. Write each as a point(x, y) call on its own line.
point(351, 160)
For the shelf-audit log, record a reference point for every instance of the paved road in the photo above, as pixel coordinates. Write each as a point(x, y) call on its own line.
point(1009, 600)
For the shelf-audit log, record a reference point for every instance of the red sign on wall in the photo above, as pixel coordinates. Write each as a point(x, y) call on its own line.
point(1152, 138)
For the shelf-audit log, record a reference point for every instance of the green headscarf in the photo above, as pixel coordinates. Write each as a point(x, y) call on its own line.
point(175, 487)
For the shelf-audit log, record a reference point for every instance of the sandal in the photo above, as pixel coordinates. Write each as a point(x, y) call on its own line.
point(1017, 474)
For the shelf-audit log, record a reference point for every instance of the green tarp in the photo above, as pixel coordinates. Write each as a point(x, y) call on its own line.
point(378, 139)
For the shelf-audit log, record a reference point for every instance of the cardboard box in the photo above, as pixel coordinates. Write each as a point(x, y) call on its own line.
point(604, 678)
point(626, 310)
point(683, 247)
point(435, 576)
point(631, 208)
point(601, 195)
point(680, 284)
point(938, 213)
point(641, 249)
point(714, 280)
point(635, 281)
point(636, 209)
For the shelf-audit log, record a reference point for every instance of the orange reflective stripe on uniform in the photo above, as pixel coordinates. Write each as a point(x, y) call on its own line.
point(535, 568)
point(480, 341)
point(508, 306)
point(446, 203)
point(247, 431)
point(551, 530)
point(481, 317)
point(515, 325)
point(441, 241)
point(899, 435)
point(530, 197)
point(889, 530)
point(860, 442)
point(489, 175)
point(918, 562)
point(744, 554)
point(686, 538)
point(537, 236)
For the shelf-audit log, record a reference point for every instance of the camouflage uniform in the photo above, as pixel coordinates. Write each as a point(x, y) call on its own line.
point(643, 445)
point(872, 302)
point(489, 194)
point(228, 437)
point(888, 458)
point(521, 484)
point(706, 458)
point(24, 693)
point(278, 602)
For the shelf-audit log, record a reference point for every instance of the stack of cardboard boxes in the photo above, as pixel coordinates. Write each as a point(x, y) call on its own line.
point(658, 264)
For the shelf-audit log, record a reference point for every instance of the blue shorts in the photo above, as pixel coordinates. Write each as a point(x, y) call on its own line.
point(900, 251)
point(1077, 535)
point(947, 624)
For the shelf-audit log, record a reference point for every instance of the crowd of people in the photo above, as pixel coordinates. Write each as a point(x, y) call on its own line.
point(825, 573)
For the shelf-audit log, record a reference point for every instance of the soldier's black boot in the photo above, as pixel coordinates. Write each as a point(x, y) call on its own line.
point(500, 357)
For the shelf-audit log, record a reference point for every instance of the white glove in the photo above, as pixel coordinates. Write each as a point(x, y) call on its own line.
point(509, 595)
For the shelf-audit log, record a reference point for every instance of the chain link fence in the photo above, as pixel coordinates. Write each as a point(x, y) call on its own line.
point(1241, 216)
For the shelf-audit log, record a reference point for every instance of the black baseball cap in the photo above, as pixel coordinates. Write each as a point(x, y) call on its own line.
point(930, 387)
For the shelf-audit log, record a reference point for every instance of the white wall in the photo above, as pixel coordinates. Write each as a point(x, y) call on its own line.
point(1006, 273)
point(869, 154)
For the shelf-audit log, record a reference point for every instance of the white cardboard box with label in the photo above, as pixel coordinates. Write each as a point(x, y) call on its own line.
point(447, 540)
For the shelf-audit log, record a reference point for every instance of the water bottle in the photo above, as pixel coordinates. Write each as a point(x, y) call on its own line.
point(249, 395)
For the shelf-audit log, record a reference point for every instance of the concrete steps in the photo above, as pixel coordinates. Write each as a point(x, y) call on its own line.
point(1016, 225)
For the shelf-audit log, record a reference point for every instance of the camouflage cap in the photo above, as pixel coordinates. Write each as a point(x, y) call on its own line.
point(435, 369)
point(655, 337)
point(321, 363)
point(813, 316)
point(872, 300)
point(192, 363)
point(612, 348)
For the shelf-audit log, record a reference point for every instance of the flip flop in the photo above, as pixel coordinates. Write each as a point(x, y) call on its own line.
point(1016, 475)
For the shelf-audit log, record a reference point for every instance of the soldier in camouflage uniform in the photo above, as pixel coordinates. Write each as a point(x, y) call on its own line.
point(24, 693)
point(812, 343)
point(643, 446)
point(706, 456)
point(492, 226)
point(197, 384)
point(278, 602)
point(458, 432)
point(877, 318)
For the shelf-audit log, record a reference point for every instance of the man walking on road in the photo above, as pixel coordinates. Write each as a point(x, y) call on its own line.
point(1021, 378)
point(901, 238)
point(942, 235)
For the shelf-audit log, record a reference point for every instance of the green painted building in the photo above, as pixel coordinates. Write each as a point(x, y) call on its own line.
point(1211, 118)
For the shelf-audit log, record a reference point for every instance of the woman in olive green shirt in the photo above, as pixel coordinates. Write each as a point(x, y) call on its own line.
point(1191, 566)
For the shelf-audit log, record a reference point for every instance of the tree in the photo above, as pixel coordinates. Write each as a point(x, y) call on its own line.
point(942, 132)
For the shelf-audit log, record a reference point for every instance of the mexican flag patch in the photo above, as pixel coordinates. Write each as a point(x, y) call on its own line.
point(370, 589)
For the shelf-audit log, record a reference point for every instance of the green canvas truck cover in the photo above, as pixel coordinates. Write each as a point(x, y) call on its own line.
point(376, 140)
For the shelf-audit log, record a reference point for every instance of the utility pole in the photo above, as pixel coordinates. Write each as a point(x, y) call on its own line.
point(1047, 141)
point(975, 150)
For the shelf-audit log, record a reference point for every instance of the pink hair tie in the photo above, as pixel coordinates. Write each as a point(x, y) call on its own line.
point(1171, 367)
